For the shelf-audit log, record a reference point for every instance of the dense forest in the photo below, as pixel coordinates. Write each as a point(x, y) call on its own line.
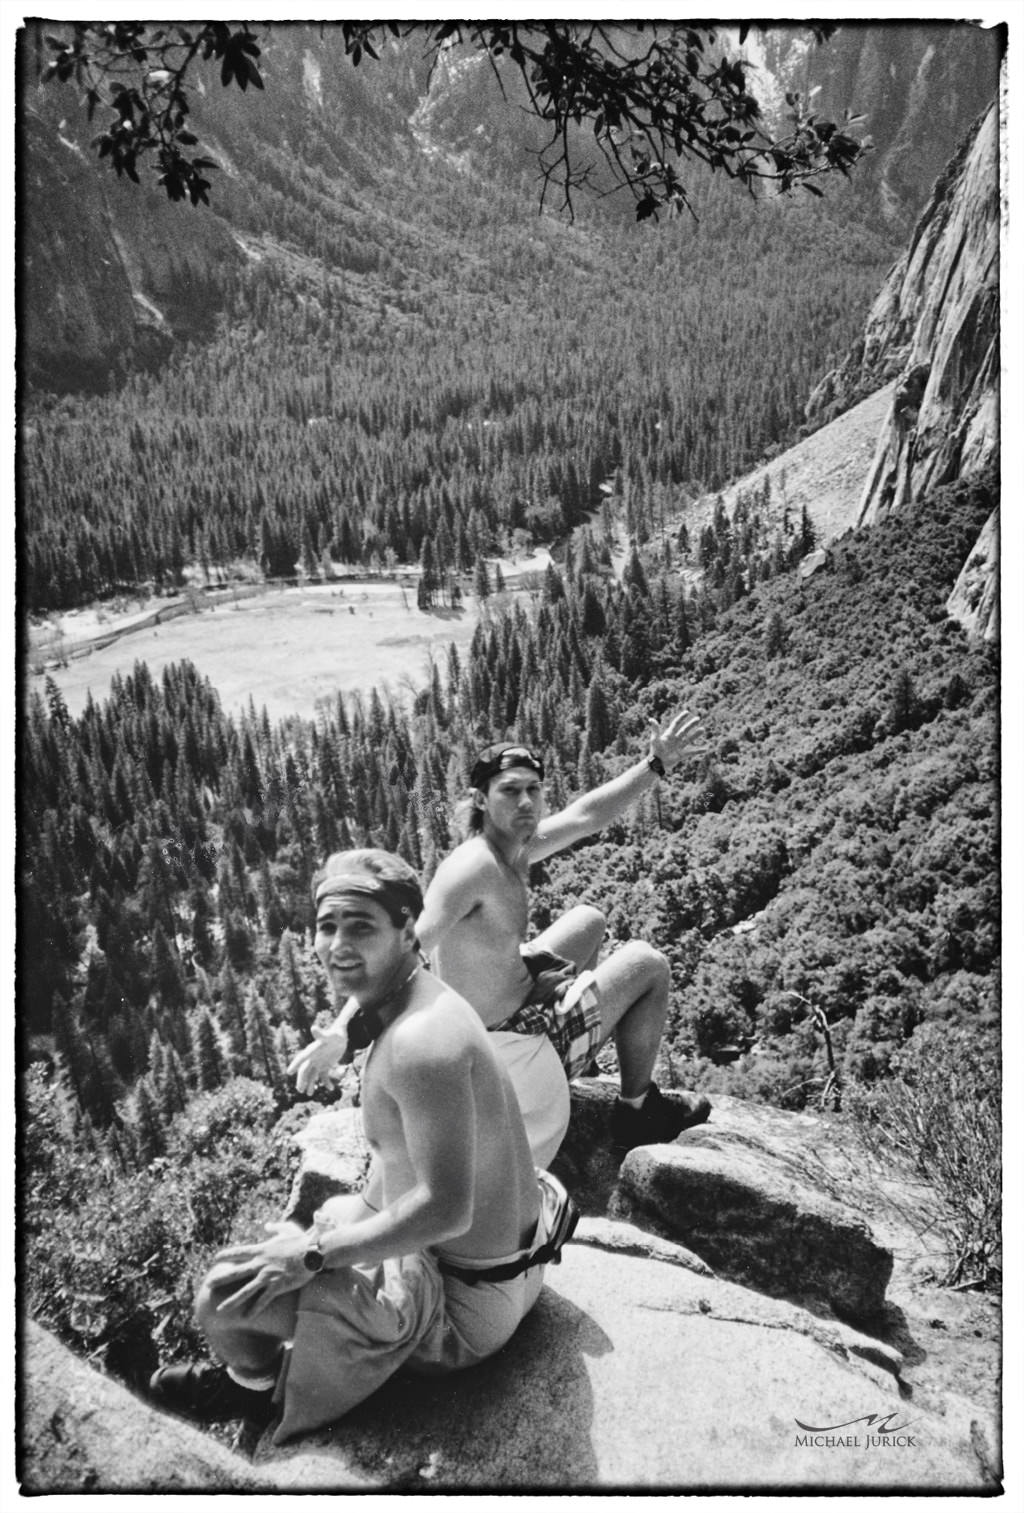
point(467, 378)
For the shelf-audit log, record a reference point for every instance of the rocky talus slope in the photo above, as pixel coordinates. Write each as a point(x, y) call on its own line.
point(726, 1319)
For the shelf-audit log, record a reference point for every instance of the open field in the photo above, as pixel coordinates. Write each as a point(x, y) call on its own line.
point(286, 648)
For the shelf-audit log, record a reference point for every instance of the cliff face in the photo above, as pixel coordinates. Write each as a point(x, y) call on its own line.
point(916, 85)
point(111, 274)
point(934, 329)
point(936, 322)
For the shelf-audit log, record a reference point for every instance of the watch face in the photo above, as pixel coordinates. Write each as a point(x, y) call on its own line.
point(313, 1260)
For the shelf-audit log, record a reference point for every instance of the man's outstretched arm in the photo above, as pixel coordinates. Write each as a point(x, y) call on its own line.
point(682, 737)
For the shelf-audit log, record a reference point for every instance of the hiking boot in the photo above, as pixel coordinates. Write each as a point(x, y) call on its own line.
point(206, 1394)
point(657, 1121)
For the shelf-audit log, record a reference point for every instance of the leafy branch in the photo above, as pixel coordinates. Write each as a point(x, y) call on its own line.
point(139, 72)
point(652, 96)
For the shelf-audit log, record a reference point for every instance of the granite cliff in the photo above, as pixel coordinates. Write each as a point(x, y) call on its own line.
point(933, 333)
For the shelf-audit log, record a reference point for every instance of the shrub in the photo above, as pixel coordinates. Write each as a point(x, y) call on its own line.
point(940, 1113)
point(114, 1273)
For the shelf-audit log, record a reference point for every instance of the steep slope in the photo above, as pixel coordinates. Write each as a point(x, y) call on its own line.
point(933, 335)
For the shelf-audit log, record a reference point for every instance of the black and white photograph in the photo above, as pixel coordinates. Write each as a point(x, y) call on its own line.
point(512, 763)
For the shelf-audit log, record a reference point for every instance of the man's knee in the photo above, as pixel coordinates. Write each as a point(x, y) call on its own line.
point(212, 1291)
point(589, 919)
point(650, 963)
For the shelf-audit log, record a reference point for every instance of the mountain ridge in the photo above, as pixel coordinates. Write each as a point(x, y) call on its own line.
point(361, 123)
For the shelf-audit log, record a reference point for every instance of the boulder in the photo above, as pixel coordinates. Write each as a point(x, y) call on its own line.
point(83, 1432)
point(335, 1158)
point(780, 1237)
point(747, 1192)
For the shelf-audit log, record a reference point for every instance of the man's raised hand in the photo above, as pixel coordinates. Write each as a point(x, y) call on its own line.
point(682, 737)
point(314, 1064)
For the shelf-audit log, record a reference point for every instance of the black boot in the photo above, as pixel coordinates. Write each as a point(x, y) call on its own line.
point(657, 1121)
point(206, 1394)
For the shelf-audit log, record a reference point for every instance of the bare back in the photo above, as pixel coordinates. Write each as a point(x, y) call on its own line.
point(479, 953)
point(438, 1108)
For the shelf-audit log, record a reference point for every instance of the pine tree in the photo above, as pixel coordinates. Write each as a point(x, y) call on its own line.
point(905, 706)
point(633, 575)
point(598, 718)
point(429, 577)
point(775, 635)
point(231, 1012)
point(292, 986)
point(143, 1115)
point(166, 972)
point(481, 580)
point(208, 1060)
point(274, 918)
point(259, 1041)
point(173, 1086)
point(203, 947)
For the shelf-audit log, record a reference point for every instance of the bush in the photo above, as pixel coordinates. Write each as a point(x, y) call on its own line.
point(940, 1113)
point(114, 1273)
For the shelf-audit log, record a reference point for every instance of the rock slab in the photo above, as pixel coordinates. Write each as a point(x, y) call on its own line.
point(630, 1374)
point(780, 1238)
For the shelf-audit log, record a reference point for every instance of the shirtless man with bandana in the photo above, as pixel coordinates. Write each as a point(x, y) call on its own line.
point(435, 1263)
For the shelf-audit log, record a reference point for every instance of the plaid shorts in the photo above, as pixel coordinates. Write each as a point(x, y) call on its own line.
point(575, 1032)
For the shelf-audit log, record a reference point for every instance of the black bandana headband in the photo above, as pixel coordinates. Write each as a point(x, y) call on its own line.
point(396, 897)
point(495, 759)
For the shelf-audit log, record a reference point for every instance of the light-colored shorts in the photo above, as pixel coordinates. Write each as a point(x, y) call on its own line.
point(542, 1046)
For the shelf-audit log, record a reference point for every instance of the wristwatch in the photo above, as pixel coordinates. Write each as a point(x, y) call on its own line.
point(656, 765)
point(313, 1260)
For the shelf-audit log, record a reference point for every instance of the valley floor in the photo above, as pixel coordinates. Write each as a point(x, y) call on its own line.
point(289, 649)
point(292, 648)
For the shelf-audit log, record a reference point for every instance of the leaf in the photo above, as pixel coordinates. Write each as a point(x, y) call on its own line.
point(813, 189)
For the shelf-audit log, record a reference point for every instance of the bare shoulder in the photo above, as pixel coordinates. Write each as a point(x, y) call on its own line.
point(464, 878)
point(472, 858)
point(442, 1028)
